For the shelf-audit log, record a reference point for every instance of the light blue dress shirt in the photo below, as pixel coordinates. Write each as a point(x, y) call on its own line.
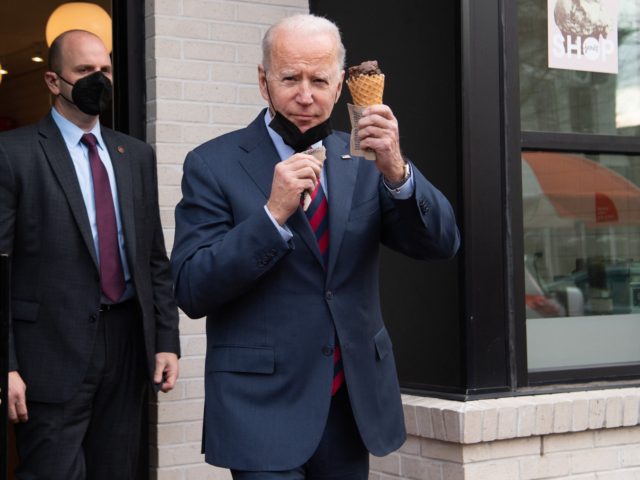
point(79, 153)
point(285, 151)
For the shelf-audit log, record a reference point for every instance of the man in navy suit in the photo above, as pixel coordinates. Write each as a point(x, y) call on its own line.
point(93, 315)
point(300, 378)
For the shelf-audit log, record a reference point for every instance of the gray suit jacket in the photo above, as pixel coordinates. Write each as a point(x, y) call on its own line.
point(55, 278)
point(272, 309)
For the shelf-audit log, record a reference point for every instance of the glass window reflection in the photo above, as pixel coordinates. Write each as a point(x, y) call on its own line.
point(555, 100)
point(582, 256)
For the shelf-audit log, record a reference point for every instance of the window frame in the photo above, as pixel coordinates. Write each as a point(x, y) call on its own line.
point(129, 59)
point(559, 142)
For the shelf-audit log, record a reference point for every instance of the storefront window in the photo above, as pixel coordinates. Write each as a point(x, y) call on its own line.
point(578, 101)
point(582, 259)
point(581, 211)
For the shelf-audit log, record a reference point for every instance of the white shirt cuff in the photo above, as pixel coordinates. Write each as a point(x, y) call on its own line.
point(405, 190)
point(283, 230)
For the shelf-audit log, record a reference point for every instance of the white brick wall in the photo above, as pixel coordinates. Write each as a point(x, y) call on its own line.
point(201, 69)
point(581, 435)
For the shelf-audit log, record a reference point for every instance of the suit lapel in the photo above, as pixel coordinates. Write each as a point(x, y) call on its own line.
point(55, 150)
point(259, 163)
point(123, 169)
point(341, 179)
point(261, 159)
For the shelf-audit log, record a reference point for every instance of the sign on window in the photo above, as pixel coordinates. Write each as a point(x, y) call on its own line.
point(583, 35)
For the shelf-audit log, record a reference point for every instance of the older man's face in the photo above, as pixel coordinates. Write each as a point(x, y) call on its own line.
point(303, 82)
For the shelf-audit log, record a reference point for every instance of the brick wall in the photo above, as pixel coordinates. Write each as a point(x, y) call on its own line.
point(581, 435)
point(201, 69)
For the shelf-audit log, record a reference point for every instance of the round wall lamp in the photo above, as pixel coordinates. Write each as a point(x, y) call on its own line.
point(82, 16)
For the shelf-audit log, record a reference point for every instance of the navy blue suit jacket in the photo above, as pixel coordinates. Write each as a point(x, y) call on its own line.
point(272, 309)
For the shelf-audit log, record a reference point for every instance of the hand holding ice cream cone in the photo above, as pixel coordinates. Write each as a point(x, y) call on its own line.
point(366, 85)
point(374, 136)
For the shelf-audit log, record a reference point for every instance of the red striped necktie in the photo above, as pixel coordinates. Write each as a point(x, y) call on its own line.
point(318, 215)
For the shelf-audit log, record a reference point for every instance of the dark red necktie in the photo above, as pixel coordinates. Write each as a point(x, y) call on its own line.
point(318, 215)
point(111, 274)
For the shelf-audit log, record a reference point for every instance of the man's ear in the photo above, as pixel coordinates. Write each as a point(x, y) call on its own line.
point(262, 83)
point(53, 82)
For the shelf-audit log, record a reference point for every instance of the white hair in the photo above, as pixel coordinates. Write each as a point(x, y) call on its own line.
point(307, 24)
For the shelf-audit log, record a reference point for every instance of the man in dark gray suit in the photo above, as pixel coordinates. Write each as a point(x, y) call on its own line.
point(92, 305)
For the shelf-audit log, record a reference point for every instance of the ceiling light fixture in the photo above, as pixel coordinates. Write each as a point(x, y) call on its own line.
point(82, 16)
point(37, 58)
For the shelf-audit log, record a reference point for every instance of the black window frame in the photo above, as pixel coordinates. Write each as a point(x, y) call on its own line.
point(493, 343)
point(520, 141)
point(492, 182)
point(129, 105)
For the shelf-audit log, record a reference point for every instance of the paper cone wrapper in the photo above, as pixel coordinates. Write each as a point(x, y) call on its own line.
point(355, 112)
point(321, 154)
point(366, 89)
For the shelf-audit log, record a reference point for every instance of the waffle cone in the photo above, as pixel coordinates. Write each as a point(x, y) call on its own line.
point(366, 89)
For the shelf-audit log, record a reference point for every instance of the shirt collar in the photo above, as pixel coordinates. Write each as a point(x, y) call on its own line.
point(284, 150)
point(72, 133)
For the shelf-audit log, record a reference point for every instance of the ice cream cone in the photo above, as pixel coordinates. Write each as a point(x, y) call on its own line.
point(366, 89)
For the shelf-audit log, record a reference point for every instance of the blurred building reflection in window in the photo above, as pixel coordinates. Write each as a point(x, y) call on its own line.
point(582, 258)
point(554, 100)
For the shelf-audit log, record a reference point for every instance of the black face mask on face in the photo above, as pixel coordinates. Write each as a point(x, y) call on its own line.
point(91, 94)
point(292, 135)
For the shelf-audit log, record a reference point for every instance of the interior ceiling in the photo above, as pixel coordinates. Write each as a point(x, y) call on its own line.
point(22, 26)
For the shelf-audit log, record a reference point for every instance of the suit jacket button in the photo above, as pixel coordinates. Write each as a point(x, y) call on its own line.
point(327, 351)
point(93, 318)
point(424, 206)
point(328, 295)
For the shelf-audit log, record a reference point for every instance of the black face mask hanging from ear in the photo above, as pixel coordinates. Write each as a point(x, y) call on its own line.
point(292, 135)
point(91, 94)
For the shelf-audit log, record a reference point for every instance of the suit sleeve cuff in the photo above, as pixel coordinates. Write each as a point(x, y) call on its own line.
point(404, 191)
point(283, 230)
